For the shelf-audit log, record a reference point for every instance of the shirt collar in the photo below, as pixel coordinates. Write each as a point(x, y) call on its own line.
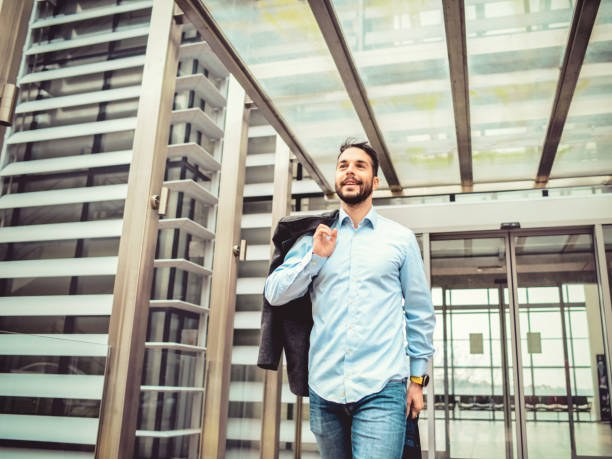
point(371, 217)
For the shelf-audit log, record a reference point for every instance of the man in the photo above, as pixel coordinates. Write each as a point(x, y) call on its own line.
point(358, 271)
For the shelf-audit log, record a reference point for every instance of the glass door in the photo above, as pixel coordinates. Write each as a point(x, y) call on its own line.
point(519, 346)
point(562, 345)
point(472, 364)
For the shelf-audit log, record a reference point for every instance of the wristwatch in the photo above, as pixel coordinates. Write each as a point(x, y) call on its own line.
point(422, 380)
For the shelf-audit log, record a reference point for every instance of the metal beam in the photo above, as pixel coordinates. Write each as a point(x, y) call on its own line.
point(454, 25)
point(332, 32)
point(132, 291)
point(580, 32)
point(203, 20)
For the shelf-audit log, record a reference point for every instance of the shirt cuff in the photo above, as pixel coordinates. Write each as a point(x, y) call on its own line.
point(316, 263)
point(418, 367)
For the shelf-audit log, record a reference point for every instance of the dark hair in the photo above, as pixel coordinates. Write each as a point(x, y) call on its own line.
point(352, 143)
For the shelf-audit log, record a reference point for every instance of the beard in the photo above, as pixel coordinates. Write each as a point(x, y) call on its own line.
point(365, 190)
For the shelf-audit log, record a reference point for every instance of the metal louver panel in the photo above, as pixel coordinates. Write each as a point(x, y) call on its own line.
point(200, 119)
point(58, 197)
point(90, 14)
point(87, 345)
point(201, 51)
point(89, 266)
point(31, 453)
point(51, 386)
point(60, 231)
point(77, 130)
point(195, 154)
point(187, 225)
point(193, 190)
point(179, 305)
point(86, 41)
point(81, 70)
point(64, 169)
point(67, 163)
point(81, 431)
point(203, 86)
point(52, 103)
point(60, 305)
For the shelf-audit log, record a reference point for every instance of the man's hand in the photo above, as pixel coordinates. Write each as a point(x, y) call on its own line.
point(414, 400)
point(324, 241)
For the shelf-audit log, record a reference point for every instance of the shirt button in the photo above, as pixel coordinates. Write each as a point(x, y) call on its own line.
point(314, 262)
point(348, 351)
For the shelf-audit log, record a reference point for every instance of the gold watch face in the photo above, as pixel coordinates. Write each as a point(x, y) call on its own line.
point(422, 380)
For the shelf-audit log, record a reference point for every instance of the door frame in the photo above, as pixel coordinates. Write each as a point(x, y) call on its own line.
point(596, 232)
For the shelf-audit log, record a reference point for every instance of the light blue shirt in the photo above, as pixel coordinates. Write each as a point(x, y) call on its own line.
point(371, 307)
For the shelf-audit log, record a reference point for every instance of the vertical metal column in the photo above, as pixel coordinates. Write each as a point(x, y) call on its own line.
point(225, 274)
point(515, 331)
point(127, 329)
point(430, 390)
point(273, 382)
point(446, 398)
point(14, 17)
point(568, 386)
point(503, 338)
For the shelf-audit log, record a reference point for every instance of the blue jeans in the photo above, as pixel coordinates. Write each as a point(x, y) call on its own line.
point(372, 428)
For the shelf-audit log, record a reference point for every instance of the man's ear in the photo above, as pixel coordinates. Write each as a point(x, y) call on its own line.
point(375, 183)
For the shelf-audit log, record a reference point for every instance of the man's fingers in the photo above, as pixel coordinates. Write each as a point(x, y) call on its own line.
point(413, 406)
point(334, 235)
point(325, 231)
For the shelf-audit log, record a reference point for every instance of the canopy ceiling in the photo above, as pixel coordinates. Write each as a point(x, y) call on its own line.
point(454, 96)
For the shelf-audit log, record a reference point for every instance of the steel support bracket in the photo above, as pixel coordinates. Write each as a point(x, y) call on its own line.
point(8, 100)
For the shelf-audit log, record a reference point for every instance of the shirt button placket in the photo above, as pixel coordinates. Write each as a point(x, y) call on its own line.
point(351, 294)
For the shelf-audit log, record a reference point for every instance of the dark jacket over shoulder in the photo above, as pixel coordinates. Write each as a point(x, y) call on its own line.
point(288, 326)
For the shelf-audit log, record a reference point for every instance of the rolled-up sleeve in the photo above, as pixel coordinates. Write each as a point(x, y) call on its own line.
point(292, 279)
point(418, 309)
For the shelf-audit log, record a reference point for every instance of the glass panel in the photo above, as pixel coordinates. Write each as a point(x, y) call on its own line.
point(285, 50)
point(474, 393)
point(551, 269)
point(400, 52)
point(585, 144)
point(514, 51)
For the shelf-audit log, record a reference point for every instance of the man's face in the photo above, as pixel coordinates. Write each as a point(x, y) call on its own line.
point(355, 179)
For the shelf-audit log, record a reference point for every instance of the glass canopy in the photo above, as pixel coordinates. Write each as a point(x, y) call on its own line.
point(285, 50)
point(400, 50)
point(514, 53)
point(586, 144)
